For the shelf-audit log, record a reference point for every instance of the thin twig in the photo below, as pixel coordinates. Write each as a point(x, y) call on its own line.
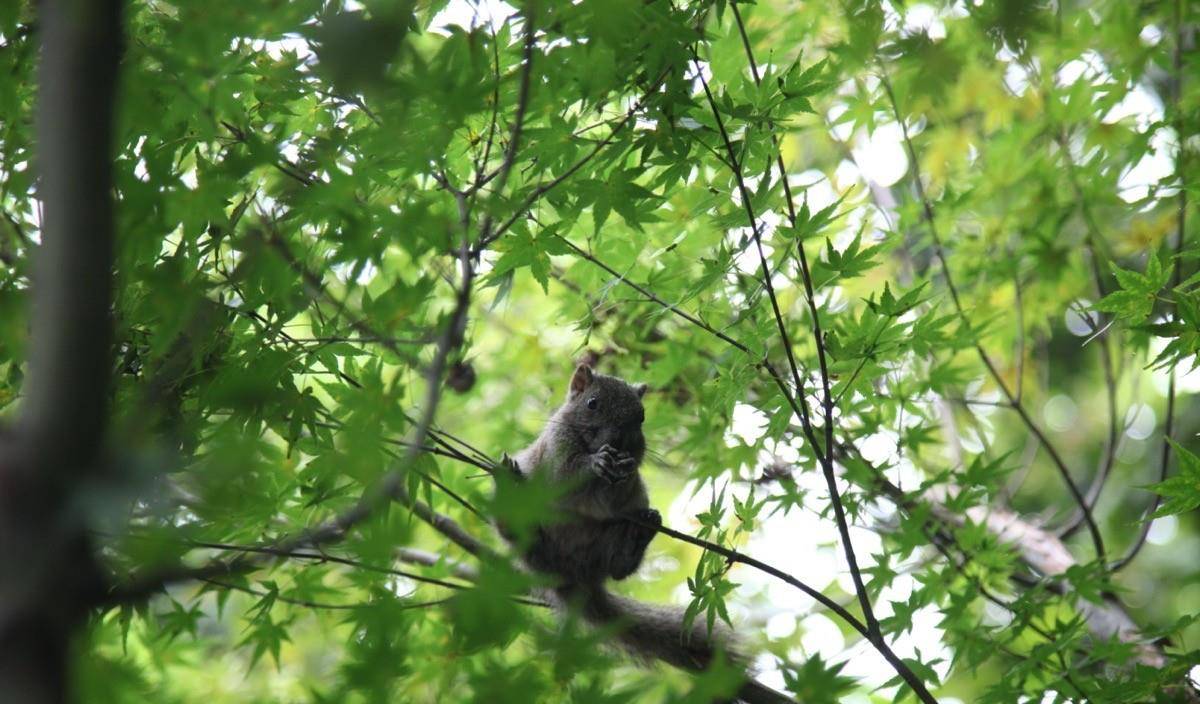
point(514, 138)
point(1092, 242)
point(308, 603)
point(550, 185)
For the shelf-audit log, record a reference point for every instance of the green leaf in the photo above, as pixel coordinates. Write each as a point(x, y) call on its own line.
point(1181, 493)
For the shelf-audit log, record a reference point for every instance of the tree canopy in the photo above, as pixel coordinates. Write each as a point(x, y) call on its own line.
point(913, 286)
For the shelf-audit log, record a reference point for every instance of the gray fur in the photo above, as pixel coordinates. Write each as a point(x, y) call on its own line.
point(594, 444)
point(596, 452)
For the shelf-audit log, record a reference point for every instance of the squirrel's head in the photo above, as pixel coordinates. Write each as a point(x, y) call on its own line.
point(604, 410)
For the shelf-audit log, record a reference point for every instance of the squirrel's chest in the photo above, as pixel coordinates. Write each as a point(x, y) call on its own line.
point(600, 500)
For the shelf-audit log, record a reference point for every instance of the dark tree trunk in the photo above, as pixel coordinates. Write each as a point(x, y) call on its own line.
point(47, 571)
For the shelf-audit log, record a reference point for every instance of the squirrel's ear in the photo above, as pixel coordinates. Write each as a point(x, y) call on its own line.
point(640, 389)
point(580, 380)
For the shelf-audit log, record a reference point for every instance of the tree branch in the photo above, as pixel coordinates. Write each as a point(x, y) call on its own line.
point(1176, 277)
point(939, 253)
point(57, 445)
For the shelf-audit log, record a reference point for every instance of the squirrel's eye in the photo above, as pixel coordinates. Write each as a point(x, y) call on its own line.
point(592, 403)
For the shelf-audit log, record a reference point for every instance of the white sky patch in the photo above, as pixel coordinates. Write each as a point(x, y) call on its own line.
point(1090, 66)
point(747, 425)
point(840, 131)
point(752, 182)
point(687, 504)
point(879, 448)
point(1188, 381)
point(1016, 78)
point(807, 544)
point(783, 451)
point(880, 155)
point(1081, 321)
point(402, 587)
point(801, 543)
point(705, 72)
point(1135, 183)
point(747, 260)
point(344, 270)
point(975, 392)
point(833, 298)
point(1187, 372)
point(781, 625)
point(296, 44)
point(1140, 420)
point(276, 48)
point(1163, 530)
point(768, 672)
point(1144, 108)
point(846, 174)
point(1151, 35)
point(996, 614)
point(821, 636)
point(923, 19)
point(925, 635)
point(905, 474)
point(980, 435)
point(468, 15)
point(891, 17)
point(290, 150)
point(814, 188)
point(1140, 104)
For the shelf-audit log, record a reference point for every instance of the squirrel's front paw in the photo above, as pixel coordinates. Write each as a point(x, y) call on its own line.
point(510, 465)
point(647, 516)
point(609, 465)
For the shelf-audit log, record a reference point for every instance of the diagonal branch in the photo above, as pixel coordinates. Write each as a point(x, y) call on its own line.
point(1041, 550)
point(823, 457)
point(872, 630)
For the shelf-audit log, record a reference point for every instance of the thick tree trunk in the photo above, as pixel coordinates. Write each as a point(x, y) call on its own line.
point(48, 575)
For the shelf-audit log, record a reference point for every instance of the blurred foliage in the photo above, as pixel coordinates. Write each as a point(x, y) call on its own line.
point(294, 184)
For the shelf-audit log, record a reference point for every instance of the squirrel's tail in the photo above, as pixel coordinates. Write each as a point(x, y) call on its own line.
point(654, 631)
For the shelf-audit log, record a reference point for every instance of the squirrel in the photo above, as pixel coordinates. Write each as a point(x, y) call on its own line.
point(594, 445)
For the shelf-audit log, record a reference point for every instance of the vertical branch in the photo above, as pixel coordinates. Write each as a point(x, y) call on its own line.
point(1176, 277)
point(481, 163)
point(818, 336)
point(1020, 343)
point(49, 571)
point(1092, 243)
point(939, 253)
point(66, 394)
point(514, 138)
point(873, 632)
